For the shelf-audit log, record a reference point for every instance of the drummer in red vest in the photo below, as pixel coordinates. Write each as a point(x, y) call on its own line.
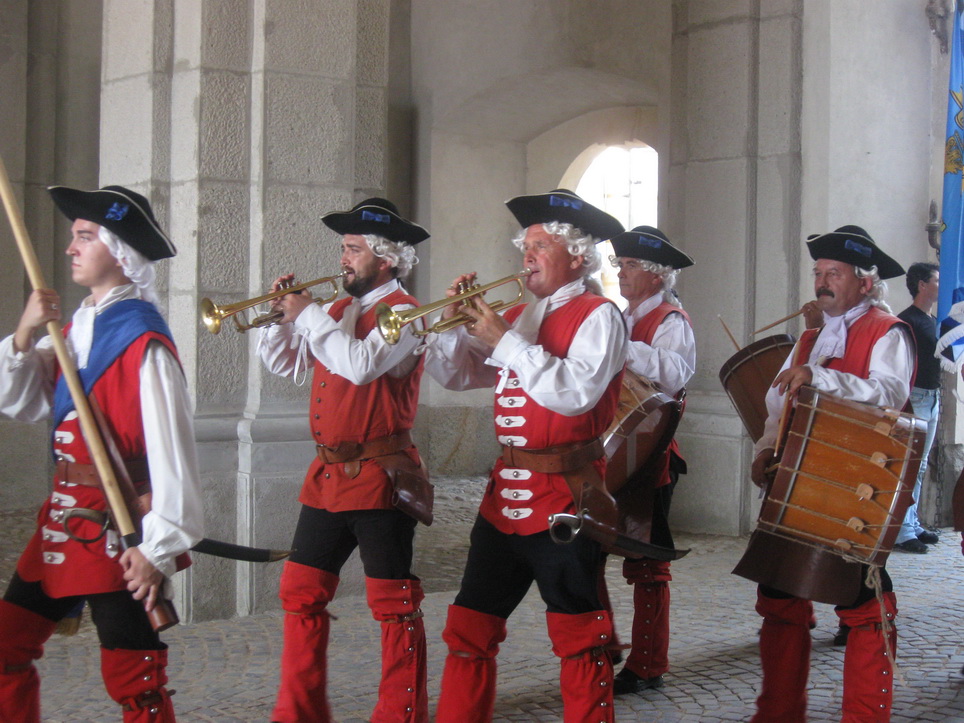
point(557, 366)
point(865, 354)
point(663, 350)
point(364, 395)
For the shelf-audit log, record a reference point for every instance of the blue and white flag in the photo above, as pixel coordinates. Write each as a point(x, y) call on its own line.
point(950, 300)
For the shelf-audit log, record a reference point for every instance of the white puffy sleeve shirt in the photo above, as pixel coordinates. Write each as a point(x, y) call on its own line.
point(285, 348)
point(175, 522)
point(670, 360)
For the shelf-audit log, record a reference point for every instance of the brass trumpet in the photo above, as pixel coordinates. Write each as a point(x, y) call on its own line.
point(212, 315)
point(390, 322)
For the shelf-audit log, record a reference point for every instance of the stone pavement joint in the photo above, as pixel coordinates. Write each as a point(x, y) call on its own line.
point(226, 671)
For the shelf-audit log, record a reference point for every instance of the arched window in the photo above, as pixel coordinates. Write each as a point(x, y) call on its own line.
point(623, 181)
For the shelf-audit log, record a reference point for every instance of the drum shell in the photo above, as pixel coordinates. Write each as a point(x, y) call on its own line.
point(619, 508)
point(747, 375)
point(645, 422)
point(844, 482)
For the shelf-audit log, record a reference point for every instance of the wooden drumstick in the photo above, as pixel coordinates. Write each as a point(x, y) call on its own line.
point(729, 333)
point(779, 321)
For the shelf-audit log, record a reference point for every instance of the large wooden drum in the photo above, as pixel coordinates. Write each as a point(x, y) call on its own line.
point(747, 375)
point(644, 425)
point(617, 511)
point(845, 479)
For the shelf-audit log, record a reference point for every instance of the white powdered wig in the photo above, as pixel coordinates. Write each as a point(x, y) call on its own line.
point(879, 288)
point(577, 243)
point(667, 273)
point(136, 266)
point(398, 253)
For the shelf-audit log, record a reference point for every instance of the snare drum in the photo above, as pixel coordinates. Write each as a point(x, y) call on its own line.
point(617, 511)
point(748, 374)
point(844, 481)
point(644, 425)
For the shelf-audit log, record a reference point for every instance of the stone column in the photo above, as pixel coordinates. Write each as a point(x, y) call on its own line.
point(50, 83)
point(245, 123)
point(734, 196)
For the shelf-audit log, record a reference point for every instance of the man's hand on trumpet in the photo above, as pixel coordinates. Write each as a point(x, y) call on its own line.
point(291, 305)
point(461, 283)
point(487, 326)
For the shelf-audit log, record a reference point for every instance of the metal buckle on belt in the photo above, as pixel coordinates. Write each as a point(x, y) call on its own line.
point(407, 618)
point(346, 451)
point(98, 517)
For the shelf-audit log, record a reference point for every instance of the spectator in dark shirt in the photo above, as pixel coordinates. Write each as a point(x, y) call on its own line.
point(922, 283)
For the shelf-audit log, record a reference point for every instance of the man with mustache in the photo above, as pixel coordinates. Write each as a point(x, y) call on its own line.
point(557, 366)
point(865, 354)
point(364, 395)
point(662, 349)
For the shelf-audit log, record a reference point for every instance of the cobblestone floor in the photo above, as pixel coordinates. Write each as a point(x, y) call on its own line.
point(227, 671)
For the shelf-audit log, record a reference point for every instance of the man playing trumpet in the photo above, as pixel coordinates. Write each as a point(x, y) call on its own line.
point(864, 354)
point(364, 396)
point(556, 365)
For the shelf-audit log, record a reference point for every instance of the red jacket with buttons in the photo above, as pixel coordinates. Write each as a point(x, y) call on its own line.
point(518, 501)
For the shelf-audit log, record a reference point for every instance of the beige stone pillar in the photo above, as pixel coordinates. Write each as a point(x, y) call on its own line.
point(734, 196)
point(245, 122)
point(49, 82)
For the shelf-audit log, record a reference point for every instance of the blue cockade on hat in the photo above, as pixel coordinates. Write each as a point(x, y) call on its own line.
point(651, 242)
point(565, 202)
point(860, 248)
point(376, 217)
point(117, 211)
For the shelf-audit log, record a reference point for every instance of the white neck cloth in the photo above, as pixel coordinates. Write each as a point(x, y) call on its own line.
point(832, 340)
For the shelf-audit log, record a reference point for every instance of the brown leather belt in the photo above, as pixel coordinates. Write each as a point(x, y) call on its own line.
point(554, 460)
point(351, 451)
point(86, 474)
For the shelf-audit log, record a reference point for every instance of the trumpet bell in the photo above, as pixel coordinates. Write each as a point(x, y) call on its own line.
point(389, 323)
point(211, 315)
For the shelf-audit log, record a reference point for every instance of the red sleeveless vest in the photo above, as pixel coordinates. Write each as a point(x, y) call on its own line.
point(861, 337)
point(344, 412)
point(65, 566)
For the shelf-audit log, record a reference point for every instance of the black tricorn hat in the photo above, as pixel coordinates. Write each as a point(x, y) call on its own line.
point(564, 206)
point(853, 245)
point(650, 244)
point(119, 210)
point(377, 216)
